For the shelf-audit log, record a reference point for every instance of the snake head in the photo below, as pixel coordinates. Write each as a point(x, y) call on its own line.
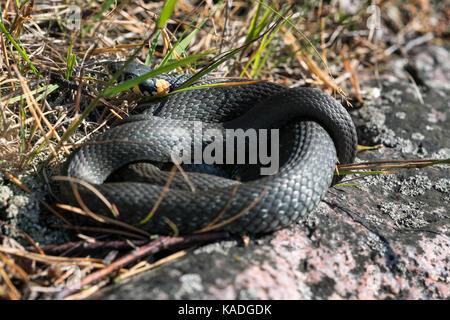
point(156, 86)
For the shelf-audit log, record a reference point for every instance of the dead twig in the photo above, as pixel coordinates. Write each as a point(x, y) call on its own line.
point(90, 246)
point(152, 247)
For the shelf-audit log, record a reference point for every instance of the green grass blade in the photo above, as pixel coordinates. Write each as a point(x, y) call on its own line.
point(34, 153)
point(209, 68)
point(203, 86)
point(71, 59)
point(105, 7)
point(152, 49)
point(94, 102)
point(259, 58)
point(263, 23)
point(22, 52)
point(180, 49)
point(443, 161)
point(251, 30)
point(224, 57)
point(168, 55)
point(182, 43)
point(206, 70)
point(48, 90)
point(301, 34)
point(166, 12)
point(342, 173)
point(164, 69)
point(22, 127)
point(256, 59)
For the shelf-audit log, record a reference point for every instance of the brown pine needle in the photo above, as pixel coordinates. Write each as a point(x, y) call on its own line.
point(177, 162)
point(25, 235)
point(102, 231)
point(23, 275)
point(392, 164)
point(83, 205)
point(225, 208)
point(314, 68)
point(91, 188)
point(173, 226)
point(221, 224)
point(66, 275)
point(87, 292)
point(97, 263)
point(354, 80)
point(35, 110)
point(104, 218)
point(135, 271)
point(161, 196)
point(14, 294)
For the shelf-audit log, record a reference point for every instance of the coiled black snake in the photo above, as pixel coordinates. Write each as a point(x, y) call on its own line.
point(315, 131)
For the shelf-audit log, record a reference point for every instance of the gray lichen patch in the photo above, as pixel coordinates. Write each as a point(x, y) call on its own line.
point(22, 211)
point(190, 284)
point(22, 206)
point(405, 215)
point(415, 185)
point(442, 185)
point(5, 194)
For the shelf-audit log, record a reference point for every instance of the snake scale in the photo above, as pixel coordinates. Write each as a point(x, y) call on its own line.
point(315, 132)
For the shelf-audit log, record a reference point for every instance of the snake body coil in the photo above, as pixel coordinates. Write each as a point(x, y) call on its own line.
point(315, 131)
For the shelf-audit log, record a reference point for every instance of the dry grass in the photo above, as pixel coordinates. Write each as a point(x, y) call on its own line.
point(313, 44)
